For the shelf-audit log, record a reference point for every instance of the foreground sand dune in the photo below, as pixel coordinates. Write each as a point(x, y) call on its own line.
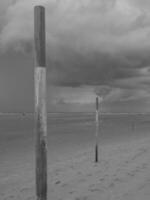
point(123, 173)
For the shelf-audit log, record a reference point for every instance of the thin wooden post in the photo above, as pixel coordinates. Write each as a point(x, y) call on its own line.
point(97, 130)
point(133, 126)
point(40, 103)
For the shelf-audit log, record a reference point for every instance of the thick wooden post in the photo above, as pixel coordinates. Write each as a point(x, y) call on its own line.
point(40, 103)
point(97, 130)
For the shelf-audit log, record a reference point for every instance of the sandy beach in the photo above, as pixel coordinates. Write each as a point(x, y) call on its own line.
point(123, 171)
point(77, 72)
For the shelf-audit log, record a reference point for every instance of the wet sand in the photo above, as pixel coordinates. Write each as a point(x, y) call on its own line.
point(122, 170)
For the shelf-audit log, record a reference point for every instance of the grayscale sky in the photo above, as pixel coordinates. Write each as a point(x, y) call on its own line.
point(89, 43)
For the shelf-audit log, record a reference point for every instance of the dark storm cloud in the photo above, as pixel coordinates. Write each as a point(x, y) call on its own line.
point(89, 42)
point(92, 68)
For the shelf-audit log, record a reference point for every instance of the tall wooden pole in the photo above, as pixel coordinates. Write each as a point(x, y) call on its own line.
point(40, 103)
point(97, 129)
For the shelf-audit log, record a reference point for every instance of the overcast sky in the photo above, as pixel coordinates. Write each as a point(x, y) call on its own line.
point(89, 43)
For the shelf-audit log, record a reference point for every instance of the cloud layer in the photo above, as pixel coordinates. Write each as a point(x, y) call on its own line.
point(89, 42)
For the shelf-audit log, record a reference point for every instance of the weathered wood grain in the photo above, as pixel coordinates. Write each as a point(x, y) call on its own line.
point(40, 103)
